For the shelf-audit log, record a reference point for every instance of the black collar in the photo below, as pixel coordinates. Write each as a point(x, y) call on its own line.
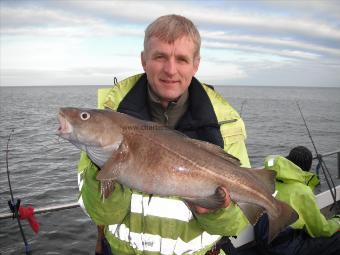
point(198, 122)
point(135, 102)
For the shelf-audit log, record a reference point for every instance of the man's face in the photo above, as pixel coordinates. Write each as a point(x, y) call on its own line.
point(170, 67)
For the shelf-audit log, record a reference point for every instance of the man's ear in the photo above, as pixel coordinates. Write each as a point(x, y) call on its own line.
point(196, 64)
point(143, 60)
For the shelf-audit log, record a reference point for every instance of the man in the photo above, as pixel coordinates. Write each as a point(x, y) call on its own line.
point(168, 93)
point(312, 233)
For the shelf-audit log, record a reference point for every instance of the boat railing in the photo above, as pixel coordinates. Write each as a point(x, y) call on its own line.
point(46, 209)
point(76, 204)
point(337, 152)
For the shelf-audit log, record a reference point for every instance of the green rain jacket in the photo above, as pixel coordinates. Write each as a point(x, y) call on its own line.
point(295, 187)
point(139, 224)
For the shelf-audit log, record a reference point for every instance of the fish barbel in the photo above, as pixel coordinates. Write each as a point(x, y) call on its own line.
point(153, 159)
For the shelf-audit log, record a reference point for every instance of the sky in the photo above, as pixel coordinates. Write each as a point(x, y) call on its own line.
point(245, 42)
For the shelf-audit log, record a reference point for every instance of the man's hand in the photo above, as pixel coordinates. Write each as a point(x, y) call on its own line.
point(202, 210)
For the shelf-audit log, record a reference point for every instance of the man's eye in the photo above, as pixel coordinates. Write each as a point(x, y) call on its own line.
point(159, 57)
point(183, 60)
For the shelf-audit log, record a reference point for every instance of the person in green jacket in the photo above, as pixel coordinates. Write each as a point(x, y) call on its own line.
point(131, 222)
point(312, 233)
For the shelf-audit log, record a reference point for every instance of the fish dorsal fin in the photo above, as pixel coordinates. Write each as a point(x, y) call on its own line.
point(267, 177)
point(212, 148)
point(216, 150)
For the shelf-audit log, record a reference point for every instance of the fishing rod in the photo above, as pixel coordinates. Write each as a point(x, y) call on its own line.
point(14, 206)
point(243, 103)
point(321, 163)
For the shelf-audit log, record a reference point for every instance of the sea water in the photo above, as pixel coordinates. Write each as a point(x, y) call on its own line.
point(43, 167)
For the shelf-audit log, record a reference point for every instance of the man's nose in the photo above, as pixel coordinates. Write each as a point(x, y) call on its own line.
point(170, 67)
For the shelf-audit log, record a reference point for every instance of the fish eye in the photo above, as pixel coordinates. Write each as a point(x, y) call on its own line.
point(84, 115)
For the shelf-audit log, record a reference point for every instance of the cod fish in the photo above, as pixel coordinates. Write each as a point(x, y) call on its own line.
point(153, 159)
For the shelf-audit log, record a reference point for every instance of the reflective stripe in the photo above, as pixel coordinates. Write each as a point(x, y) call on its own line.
point(160, 207)
point(275, 193)
point(196, 244)
point(271, 162)
point(80, 199)
point(149, 242)
point(80, 180)
point(82, 206)
point(164, 208)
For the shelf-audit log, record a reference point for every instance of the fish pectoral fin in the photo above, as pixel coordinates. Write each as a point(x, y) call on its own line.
point(111, 170)
point(215, 201)
point(106, 188)
point(251, 211)
point(114, 165)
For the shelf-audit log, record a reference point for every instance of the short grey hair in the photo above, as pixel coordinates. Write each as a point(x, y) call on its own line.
point(171, 27)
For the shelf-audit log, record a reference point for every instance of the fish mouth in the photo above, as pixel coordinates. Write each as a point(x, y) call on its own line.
point(64, 126)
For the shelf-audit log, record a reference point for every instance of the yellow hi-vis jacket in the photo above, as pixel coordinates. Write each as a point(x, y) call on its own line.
point(139, 224)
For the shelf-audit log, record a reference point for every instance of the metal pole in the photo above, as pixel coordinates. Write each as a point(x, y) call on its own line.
point(44, 209)
point(327, 154)
point(338, 156)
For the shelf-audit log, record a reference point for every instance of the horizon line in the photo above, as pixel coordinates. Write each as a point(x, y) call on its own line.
point(229, 85)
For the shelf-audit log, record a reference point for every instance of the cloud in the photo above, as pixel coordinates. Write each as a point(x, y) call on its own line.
point(276, 25)
point(84, 22)
point(42, 21)
point(237, 37)
point(328, 9)
point(268, 41)
point(92, 13)
point(213, 72)
point(294, 54)
point(34, 16)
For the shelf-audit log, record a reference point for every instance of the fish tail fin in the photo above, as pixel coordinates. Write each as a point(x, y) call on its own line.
point(286, 217)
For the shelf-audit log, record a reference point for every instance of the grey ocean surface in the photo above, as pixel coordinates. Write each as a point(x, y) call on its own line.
point(43, 167)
